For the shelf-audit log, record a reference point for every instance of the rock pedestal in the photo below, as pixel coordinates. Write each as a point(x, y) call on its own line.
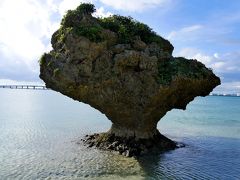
point(133, 80)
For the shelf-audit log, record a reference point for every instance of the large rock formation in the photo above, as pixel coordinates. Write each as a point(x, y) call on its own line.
point(123, 69)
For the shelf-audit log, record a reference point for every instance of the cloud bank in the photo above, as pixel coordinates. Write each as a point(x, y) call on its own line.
point(24, 26)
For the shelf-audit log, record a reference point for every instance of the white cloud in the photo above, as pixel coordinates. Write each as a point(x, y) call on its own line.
point(52, 5)
point(191, 28)
point(216, 55)
point(192, 53)
point(100, 12)
point(134, 5)
point(66, 5)
point(228, 87)
point(184, 31)
point(23, 24)
point(218, 65)
point(231, 62)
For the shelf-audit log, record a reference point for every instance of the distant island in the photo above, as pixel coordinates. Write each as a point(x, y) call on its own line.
point(125, 70)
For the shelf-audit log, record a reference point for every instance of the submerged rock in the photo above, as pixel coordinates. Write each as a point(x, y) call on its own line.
point(125, 70)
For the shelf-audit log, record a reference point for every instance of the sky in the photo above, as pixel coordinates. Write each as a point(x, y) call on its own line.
point(206, 30)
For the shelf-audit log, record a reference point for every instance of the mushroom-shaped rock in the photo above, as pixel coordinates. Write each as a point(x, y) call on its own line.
point(125, 70)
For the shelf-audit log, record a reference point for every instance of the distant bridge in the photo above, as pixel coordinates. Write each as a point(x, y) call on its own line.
point(33, 87)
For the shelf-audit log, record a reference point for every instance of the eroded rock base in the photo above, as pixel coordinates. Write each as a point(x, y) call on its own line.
point(130, 146)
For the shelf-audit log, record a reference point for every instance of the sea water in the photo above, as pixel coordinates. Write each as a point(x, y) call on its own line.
point(40, 133)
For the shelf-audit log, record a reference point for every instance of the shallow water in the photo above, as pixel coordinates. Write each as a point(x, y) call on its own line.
point(40, 131)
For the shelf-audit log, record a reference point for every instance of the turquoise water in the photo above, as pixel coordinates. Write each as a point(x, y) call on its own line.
point(40, 131)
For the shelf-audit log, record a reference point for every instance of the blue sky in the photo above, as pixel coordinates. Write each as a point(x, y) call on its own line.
point(207, 30)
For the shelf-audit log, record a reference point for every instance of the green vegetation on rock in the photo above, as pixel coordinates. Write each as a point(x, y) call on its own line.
point(182, 67)
point(126, 28)
point(42, 59)
point(93, 33)
point(73, 16)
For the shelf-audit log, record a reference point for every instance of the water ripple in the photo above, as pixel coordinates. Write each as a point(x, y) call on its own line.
point(38, 134)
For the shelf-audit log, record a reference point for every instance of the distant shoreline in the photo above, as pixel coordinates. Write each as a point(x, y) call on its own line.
point(41, 87)
point(225, 95)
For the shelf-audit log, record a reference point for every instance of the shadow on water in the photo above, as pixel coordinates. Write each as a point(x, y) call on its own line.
point(154, 164)
point(201, 158)
point(150, 163)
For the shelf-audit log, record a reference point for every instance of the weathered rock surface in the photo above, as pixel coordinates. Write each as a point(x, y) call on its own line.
point(130, 146)
point(134, 84)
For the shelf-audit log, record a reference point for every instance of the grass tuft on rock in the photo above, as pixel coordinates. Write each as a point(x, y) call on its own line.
point(126, 28)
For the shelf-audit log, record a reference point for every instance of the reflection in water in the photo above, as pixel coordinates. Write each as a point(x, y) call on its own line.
point(39, 132)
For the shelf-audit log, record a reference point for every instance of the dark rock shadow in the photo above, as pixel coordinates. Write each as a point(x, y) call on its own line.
point(154, 164)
